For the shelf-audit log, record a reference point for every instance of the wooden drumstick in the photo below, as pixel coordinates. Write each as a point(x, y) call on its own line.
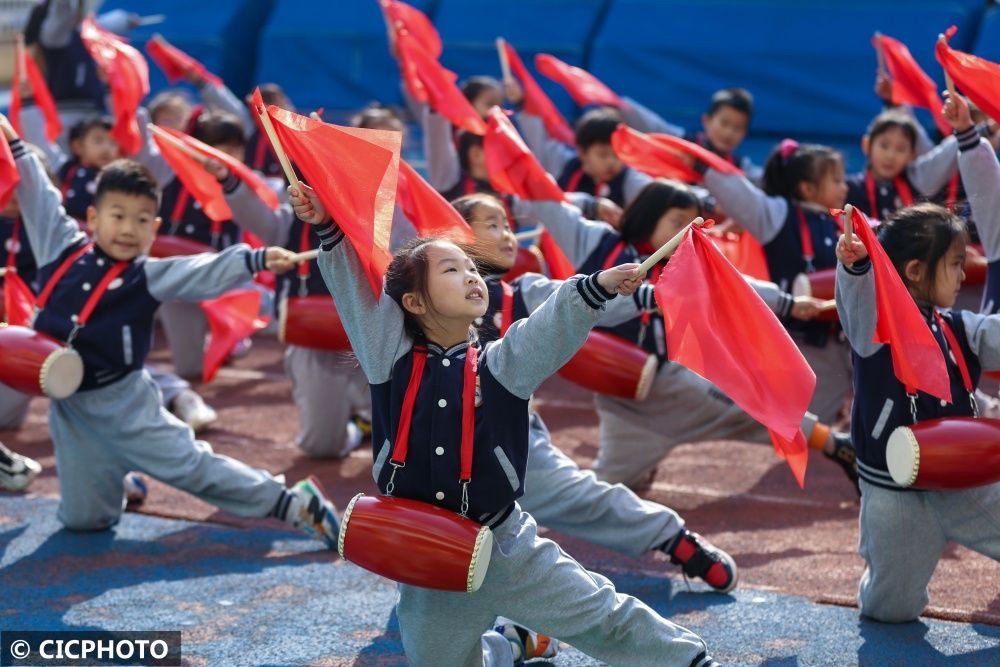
point(669, 247)
point(504, 63)
point(286, 166)
point(828, 305)
point(306, 256)
point(880, 54)
point(849, 224)
point(531, 234)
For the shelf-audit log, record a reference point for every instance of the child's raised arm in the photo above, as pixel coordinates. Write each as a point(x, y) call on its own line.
point(977, 162)
point(552, 154)
point(444, 169)
point(855, 294)
point(208, 275)
point(576, 235)
point(646, 120)
point(748, 205)
point(271, 226)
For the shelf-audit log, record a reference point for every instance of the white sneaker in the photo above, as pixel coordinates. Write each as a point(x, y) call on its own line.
point(193, 411)
point(135, 489)
point(354, 437)
point(16, 471)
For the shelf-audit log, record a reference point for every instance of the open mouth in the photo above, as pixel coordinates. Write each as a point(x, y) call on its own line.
point(475, 294)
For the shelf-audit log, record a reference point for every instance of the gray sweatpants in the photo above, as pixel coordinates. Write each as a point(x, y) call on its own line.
point(834, 376)
point(561, 496)
point(903, 534)
point(328, 388)
point(170, 384)
point(13, 408)
point(534, 583)
point(186, 328)
point(681, 407)
point(101, 434)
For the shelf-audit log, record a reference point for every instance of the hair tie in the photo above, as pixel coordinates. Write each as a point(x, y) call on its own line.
point(788, 148)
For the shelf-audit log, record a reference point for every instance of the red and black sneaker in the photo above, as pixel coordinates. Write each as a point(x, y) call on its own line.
point(698, 558)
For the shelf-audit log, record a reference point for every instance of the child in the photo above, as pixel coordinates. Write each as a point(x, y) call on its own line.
point(895, 175)
point(433, 293)
point(16, 471)
point(92, 149)
point(903, 531)
point(682, 406)
point(170, 108)
point(100, 298)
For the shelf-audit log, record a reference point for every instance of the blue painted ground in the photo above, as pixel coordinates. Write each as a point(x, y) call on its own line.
point(269, 597)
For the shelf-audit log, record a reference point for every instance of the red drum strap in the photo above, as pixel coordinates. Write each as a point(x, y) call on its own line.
point(902, 189)
point(506, 307)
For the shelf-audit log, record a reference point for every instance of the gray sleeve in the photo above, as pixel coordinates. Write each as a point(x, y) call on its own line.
point(59, 23)
point(49, 229)
point(983, 333)
point(981, 177)
point(551, 154)
point(855, 295)
point(779, 301)
point(635, 181)
point(931, 171)
point(443, 167)
point(402, 229)
point(536, 288)
point(202, 276)
point(535, 347)
point(646, 120)
point(375, 328)
point(252, 214)
point(116, 21)
point(149, 154)
point(577, 236)
point(759, 214)
point(219, 98)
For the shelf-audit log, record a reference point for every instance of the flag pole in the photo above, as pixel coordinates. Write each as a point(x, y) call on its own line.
point(504, 62)
point(306, 256)
point(669, 247)
point(947, 77)
point(849, 224)
point(880, 54)
point(265, 120)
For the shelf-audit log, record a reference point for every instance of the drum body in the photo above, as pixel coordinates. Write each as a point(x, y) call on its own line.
point(313, 322)
point(529, 260)
point(36, 364)
point(166, 245)
point(415, 543)
point(975, 265)
point(609, 365)
point(819, 285)
point(946, 453)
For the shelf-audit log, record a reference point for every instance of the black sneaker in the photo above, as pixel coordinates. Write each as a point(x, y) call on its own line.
point(698, 558)
point(843, 455)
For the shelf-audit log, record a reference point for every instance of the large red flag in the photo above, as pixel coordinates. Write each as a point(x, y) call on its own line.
point(203, 185)
point(26, 71)
point(231, 318)
point(18, 300)
point(641, 152)
point(175, 63)
point(910, 84)
point(438, 85)
point(718, 327)
point(917, 359)
point(537, 103)
point(430, 213)
point(512, 167)
point(9, 176)
point(354, 173)
point(697, 152)
point(978, 78)
point(581, 85)
point(128, 76)
point(401, 16)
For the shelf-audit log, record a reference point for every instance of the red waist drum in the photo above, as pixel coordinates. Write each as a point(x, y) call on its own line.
point(313, 322)
point(36, 364)
point(946, 453)
point(165, 245)
point(610, 365)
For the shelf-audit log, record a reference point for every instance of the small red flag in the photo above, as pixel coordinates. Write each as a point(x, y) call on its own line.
point(649, 156)
point(9, 176)
point(556, 261)
point(128, 76)
point(978, 78)
point(18, 300)
point(691, 149)
point(231, 318)
point(203, 185)
point(401, 16)
point(175, 63)
point(537, 103)
point(353, 172)
point(26, 71)
point(512, 167)
point(581, 85)
point(718, 327)
point(430, 213)
point(438, 84)
point(917, 359)
point(910, 84)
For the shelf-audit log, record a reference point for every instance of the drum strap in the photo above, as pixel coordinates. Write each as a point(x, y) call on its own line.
point(506, 307)
point(963, 367)
point(902, 189)
point(305, 268)
point(401, 446)
point(808, 252)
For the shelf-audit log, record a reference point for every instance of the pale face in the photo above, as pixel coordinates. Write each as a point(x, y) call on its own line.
point(96, 148)
point(600, 162)
point(726, 128)
point(456, 293)
point(486, 100)
point(830, 192)
point(948, 275)
point(889, 153)
point(495, 241)
point(175, 116)
point(123, 225)
point(670, 223)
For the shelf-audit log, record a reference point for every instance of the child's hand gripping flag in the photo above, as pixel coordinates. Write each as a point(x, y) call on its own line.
point(978, 78)
point(910, 84)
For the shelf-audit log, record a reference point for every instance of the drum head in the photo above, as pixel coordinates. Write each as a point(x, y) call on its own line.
point(647, 377)
point(902, 456)
point(61, 373)
point(480, 562)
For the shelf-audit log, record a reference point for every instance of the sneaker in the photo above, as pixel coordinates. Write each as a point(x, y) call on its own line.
point(16, 471)
point(364, 426)
point(135, 489)
point(843, 455)
point(310, 511)
point(353, 438)
point(191, 409)
point(241, 349)
point(704, 660)
point(698, 558)
point(527, 644)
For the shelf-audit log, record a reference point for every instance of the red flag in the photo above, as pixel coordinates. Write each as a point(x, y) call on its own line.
point(745, 252)
point(537, 103)
point(231, 318)
point(438, 84)
point(18, 300)
point(401, 16)
point(9, 176)
point(128, 76)
point(175, 63)
point(558, 264)
point(978, 78)
point(203, 185)
point(697, 152)
point(251, 178)
point(649, 156)
point(430, 213)
point(917, 359)
point(353, 172)
point(718, 327)
point(581, 85)
point(512, 167)
point(910, 84)
point(39, 91)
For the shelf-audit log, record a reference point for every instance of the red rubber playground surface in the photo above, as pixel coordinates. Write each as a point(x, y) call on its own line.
point(786, 540)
